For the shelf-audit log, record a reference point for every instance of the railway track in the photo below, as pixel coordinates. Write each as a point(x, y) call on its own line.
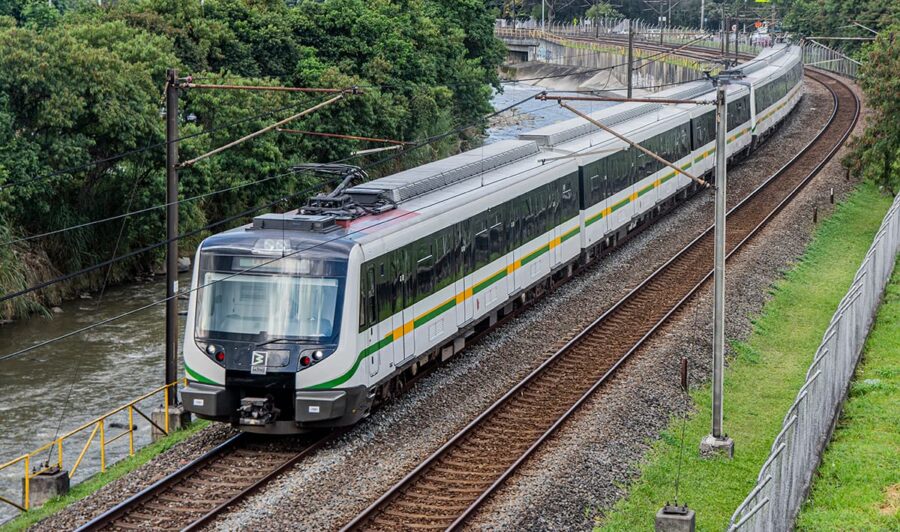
point(204, 488)
point(449, 486)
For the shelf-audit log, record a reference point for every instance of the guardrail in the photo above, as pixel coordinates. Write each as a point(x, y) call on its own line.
point(785, 478)
point(815, 53)
point(746, 42)
point(40, 460)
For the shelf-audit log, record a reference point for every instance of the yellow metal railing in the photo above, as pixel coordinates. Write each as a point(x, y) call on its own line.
point(99, 427)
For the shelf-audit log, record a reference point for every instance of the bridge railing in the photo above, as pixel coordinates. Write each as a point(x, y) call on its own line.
point(785, 478)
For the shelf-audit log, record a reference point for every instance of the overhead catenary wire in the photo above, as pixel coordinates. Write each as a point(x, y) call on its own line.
point(24, 351)
point(140, 211)
point(89, 269)
point(145, 249)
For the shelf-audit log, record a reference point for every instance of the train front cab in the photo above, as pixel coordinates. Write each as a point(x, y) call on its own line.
point(264, 346)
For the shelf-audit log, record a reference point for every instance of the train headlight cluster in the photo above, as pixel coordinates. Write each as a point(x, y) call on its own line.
point(216, 352)
point(308, 358)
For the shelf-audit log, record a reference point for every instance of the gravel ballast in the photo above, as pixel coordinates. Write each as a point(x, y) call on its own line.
point(328, 489)
point(582, 467)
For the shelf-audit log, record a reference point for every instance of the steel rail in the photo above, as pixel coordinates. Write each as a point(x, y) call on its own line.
point(400, 486)
point(121, 509)
point(111, 517)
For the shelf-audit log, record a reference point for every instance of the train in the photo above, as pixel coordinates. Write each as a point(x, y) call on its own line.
point(305, 320)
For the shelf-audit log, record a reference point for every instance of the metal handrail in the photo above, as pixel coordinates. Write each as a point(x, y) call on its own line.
point(99, 427)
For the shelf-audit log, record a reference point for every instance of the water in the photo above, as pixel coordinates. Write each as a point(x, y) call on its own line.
point(71, 382)
point(532, 114)
point(68, 383)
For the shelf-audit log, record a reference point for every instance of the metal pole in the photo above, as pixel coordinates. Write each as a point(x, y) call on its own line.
point(727, 39)
point(630, 58)
point(543, 26)
point(171, 229)
point(702, 13)
point(719, 271)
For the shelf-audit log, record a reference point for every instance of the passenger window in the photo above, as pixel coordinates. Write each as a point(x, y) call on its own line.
point(424, 272)
point(496, 236)
point(371, 306)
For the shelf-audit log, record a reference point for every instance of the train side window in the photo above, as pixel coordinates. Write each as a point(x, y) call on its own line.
point(384, 291)
point(496, 236)
point(424, 272)
point(398, 302)
point(371, 301)
point(482, 243)
point(362, 300)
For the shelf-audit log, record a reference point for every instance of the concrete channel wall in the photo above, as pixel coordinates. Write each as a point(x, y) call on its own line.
point(562, 63)
point(786, 476)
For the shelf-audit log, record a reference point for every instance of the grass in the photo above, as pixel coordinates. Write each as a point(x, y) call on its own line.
point(94, 483)
point(858, 483)
point(761, 381)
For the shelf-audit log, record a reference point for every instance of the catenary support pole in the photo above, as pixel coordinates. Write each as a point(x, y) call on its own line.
point(702, 14)
point(630, 58)
point(717, 441)
point(719, 296)
point(172, 229)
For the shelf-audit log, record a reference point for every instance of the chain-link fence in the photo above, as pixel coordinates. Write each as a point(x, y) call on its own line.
point(784, 480)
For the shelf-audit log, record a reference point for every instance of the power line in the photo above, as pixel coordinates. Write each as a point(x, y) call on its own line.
point(430, 140)
point(193, 232)
point(139, 211)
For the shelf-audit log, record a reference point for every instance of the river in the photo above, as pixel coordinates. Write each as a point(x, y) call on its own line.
point(61, 386)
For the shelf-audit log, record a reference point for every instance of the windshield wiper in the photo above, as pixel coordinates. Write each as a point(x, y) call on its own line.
point(276, 340)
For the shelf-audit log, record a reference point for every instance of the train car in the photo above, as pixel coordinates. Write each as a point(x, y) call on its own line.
point(304, 320)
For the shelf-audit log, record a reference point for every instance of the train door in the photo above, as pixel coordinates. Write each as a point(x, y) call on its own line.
point(384, 304)
point(371, 319)
point(407, 316)
point(553, 191)
point(469, 229)
point(464, 308)
point(398, 304)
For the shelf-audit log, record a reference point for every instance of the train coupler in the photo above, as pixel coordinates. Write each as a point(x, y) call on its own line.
point(257, 411)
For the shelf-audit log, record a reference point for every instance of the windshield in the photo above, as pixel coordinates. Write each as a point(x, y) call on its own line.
point(281, 306)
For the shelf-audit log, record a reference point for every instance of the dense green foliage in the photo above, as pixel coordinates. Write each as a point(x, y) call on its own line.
point(761, 381)
point(80, 83)
point(877, 151)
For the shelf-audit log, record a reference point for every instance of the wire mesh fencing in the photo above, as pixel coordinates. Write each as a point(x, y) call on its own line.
point(818, 55)
point(785, 478)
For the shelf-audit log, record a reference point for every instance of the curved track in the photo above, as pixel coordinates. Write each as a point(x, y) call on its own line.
point(445, 489)
point(202, 489)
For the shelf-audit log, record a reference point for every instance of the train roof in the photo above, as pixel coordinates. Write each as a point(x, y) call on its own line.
point(442, 187)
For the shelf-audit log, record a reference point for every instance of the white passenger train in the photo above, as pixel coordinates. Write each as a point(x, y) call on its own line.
point(303, 320)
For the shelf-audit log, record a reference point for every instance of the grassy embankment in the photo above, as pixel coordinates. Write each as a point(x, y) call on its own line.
point(858, 482)
point(94, 483)
point(761, 381)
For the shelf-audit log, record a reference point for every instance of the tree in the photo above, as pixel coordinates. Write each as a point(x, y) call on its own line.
point(877, 153)
point(601, 10)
